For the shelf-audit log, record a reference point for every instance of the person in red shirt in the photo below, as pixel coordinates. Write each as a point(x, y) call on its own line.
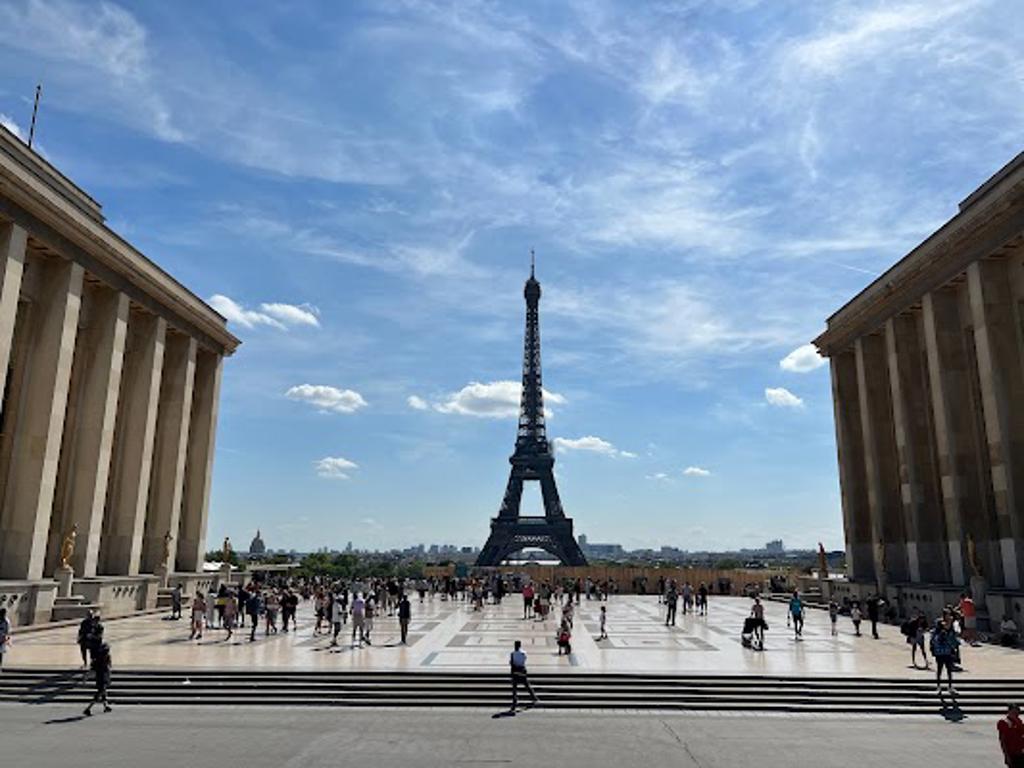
point(970, 613)
point(1011, 737)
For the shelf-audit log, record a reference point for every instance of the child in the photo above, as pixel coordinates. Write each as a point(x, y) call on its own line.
point(855, 616)
point(833, 615)
point(564, 639)
point(604, 623)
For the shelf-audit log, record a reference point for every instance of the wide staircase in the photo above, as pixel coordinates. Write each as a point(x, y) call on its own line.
point(488, 690)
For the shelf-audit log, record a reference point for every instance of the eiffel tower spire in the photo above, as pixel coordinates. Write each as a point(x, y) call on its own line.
point(531, 460)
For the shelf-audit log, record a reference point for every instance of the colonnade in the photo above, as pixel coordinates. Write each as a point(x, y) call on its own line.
point(929, 411)
point(107, 422)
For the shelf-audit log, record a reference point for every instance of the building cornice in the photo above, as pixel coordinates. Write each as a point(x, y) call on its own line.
point(988, 219)
point(63, 217)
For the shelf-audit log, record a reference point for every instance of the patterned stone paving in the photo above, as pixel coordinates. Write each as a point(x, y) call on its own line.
point(447, 635)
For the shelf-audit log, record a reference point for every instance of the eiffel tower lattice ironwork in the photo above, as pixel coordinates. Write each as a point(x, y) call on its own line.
point(532, 460)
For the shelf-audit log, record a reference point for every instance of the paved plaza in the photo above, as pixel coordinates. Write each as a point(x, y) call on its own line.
point(131, 736)
point(447, 636)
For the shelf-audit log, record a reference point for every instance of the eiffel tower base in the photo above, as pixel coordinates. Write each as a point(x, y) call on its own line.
point(508, 536)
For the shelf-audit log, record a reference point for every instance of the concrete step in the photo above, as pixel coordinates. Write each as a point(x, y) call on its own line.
point(749, 693)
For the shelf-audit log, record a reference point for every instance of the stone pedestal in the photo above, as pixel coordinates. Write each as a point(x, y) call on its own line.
point(64, 576)
point(162, 573)
point(979, 592)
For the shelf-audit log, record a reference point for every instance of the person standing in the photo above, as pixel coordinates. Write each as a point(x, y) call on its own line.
point(833, 615)
point(358, 617)
point(875, 603)
point(101, 664)
point(230, 614)
point(404, 615)
point(5, 635)
point(671, 602)
point(176, 602)
point(337, 617)
point(517, 666)
point(371, 614)
point(757, 614)
point(528, 600)
point(604, 623)
point(944, 646)
point(969, 611)
point(702, 599)
point(917, 629)
point(687, 598)
point(1011, 737)
point(796, 610)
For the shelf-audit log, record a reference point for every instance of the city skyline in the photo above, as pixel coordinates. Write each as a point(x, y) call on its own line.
point(703, 186)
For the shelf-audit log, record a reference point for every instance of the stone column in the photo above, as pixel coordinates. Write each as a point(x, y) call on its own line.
point(927, 555)
point(99, 355)
point(36, 444)
point(1001, 377)
point(199, 463)
point(166, 485)
point(947, 362)
point(121, 545)
point(887, 533)
point(13, 242)
point(852, 472)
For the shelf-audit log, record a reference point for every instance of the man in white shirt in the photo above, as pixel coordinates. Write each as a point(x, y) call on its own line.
point(517, 663)
point(358, 616)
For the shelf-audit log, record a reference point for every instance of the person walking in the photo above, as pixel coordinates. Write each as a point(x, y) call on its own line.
point(198, 615)
point(255, 608)
point(969, 611)
point(944, 646)
point(833, 615)
point(916, 629)
point(404, 615)
point(702, 599)
point(855, 617)
point(337, 617)
point(796, 610)
point(528, 600)
point(5, 636)
point(604, 623)
point(101, 664)
point(230, 615)
point(372, 607)
point(1011, 737)
point(757, 614)
point(85, 637)
point(671, 602)
point(517, 667)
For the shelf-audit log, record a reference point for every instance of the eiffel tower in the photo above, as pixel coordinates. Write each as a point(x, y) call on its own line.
point(532, 460)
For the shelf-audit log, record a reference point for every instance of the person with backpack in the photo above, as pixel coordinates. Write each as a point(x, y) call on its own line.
point(915, 628)
point(945, 649)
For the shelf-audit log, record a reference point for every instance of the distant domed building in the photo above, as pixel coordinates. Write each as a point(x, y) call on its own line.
point(257, 547)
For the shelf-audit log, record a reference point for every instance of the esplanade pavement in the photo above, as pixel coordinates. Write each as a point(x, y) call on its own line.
point(450, 636)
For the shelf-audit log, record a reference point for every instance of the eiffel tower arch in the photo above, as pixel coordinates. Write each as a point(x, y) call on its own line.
point(532, 460)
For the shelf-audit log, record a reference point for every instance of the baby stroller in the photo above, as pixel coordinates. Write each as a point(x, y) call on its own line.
point(751, 638)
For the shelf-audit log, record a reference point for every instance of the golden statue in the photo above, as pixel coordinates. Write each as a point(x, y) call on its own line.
point(67, 547)
point(822, 562)
point(166, 558)
point(972, 557)
point(225, 553)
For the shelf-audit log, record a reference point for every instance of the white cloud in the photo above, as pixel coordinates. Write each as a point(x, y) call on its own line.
point(334, 467)
point(697, 472)
point(660, 476)
point(8, 123)
point(293, 314)
point(491, 400)
point(591, 444)
point(417, 403)
point(781, 397)
point(327, 399)
point(273, 315)
point(803, 359)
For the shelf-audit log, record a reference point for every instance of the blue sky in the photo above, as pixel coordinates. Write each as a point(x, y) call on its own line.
point(357, 187)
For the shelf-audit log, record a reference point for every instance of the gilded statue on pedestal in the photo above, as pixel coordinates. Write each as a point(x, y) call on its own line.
point(166, 557)
point(67, 547)
point(972, 557)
